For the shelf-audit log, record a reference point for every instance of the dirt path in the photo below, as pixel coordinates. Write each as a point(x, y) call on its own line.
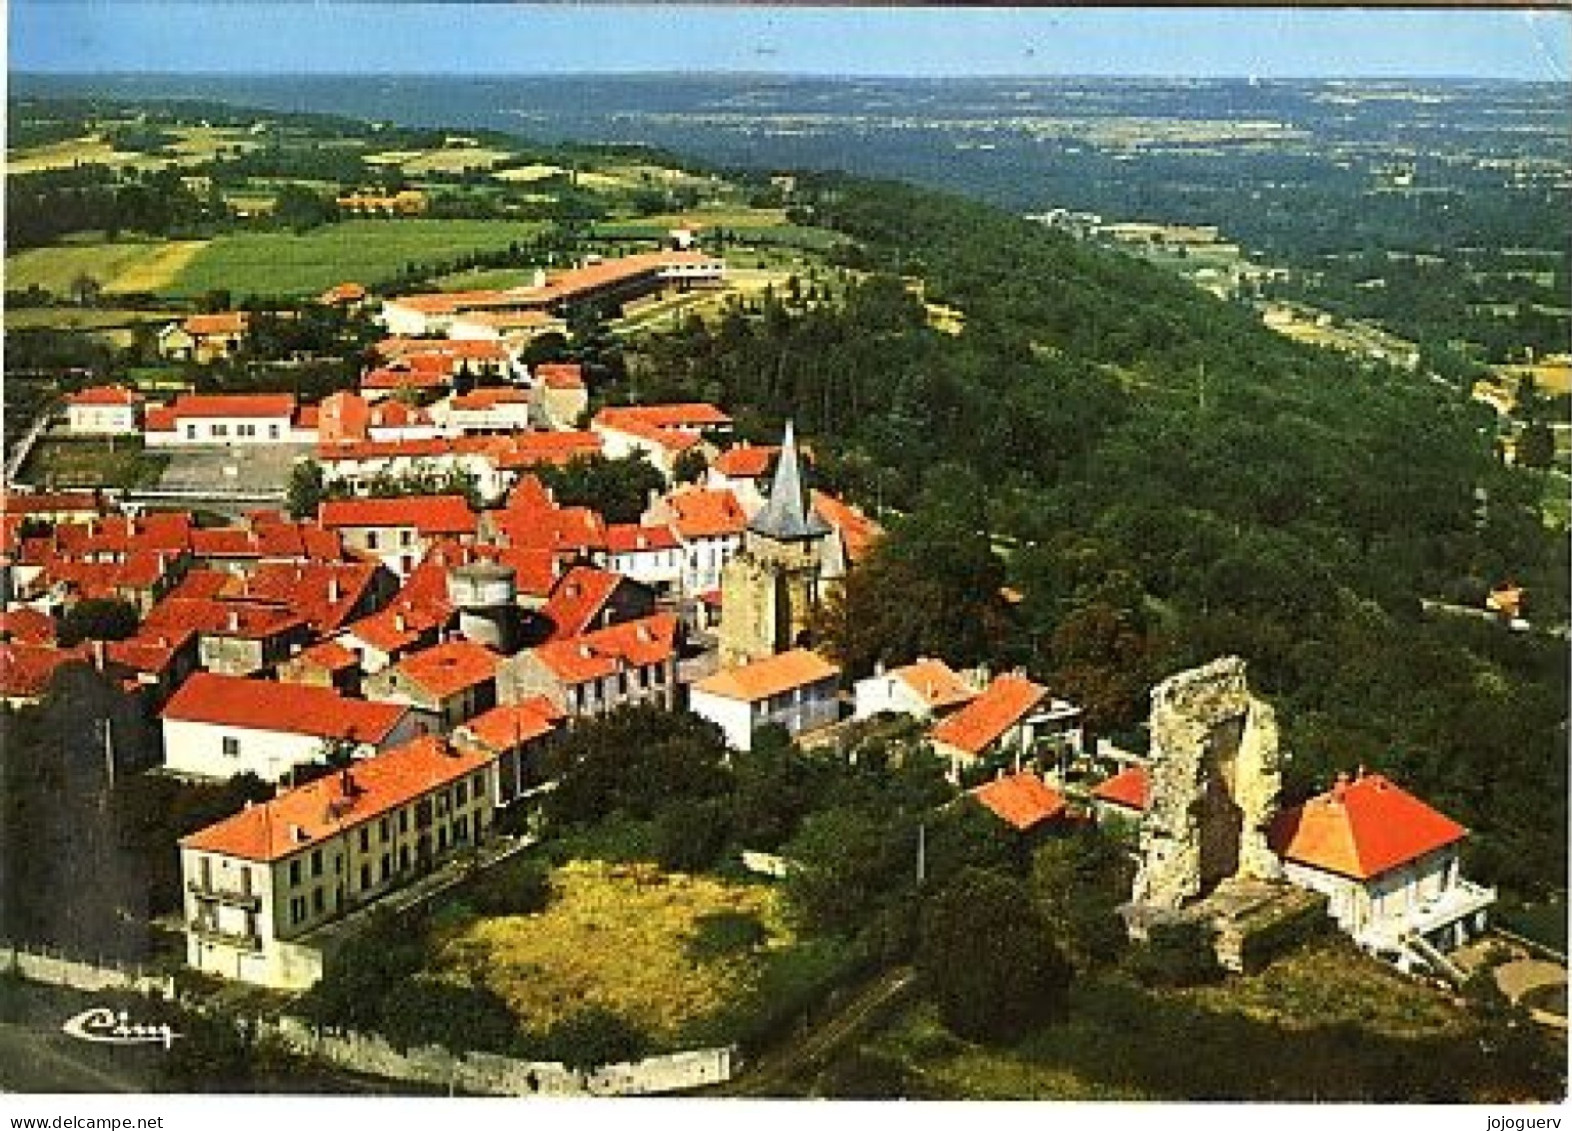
point(781, 1072)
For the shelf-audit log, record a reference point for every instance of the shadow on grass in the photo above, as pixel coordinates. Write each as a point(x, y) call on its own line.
point(1120, 1039)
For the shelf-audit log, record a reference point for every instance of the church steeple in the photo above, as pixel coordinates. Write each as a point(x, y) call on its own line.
point(787, 516)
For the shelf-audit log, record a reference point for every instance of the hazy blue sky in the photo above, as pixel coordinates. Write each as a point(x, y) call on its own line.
point(501, 38)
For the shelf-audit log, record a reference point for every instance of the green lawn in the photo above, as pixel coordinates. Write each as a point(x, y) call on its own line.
point(84, 318)
point(365, 251)
point(117, 267)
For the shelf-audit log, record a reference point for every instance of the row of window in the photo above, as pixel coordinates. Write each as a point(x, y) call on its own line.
point(243, 431)
point(454, 835)
point(614, 689)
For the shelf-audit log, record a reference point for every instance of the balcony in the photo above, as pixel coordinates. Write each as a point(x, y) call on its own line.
point(234, 897)
point(1461, 901)
point(212, 932)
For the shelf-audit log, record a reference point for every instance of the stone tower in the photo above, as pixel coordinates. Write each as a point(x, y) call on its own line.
point(1215, 777)
point(771, 587)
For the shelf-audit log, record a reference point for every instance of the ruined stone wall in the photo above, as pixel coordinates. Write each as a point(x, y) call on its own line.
point(1215, 774)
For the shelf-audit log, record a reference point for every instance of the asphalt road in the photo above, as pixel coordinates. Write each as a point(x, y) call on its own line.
point(37, 1059)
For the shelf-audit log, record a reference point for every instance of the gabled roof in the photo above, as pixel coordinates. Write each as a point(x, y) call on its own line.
point(1361, 829)
point(105, 396)
point(449, 668)
point(225, 322)
point(26, 669)
point(770, 676)
point(149, 651)
point(693, 416)
point(935, 684)
point(429, 514)
point(745, 461)
point(486, 399)
point(633, 538)
point(342, 293)
point(286, 708)
point(227, 405)
point(635, 643)
point(577, 600)
point(514, 724)
point(786, 516)
point(27, 626)
point(1022, 800)
point(329, 654)
point(51, 502)
point(1130, 788)
point(303, 817)
point(560, 375)
point(979, 724)
point(702, 513)
point(251, 620)
point(858, 532)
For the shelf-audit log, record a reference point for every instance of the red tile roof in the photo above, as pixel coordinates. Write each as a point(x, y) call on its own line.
point(225, 322)
point(560, 529)
point(858, 532)
point(1022, 800)
point(322, 808)
point(324, 593)
point(158, 418)
point(1361, 829)
point(26, 669)
point(560, 375)
point(416, 378)
point(979, 724)
point(636, 643)
point(577, 599)
point(287, 708)
point(1130, 788)
point(342, 293)
point(430, 514)
point(770, 676)
point(105, 395)
point(329, 654)
point(702, 513)
point(400, 625)
point(483, 399)
point(446, 669)
point(51, 502)
point(935, 683)
point(212, 617)
point(530, 449)
point(149, 651)
point(632, 538)
point(514, 724)
point(207, 405)
point(746, 461)
point(26, 626)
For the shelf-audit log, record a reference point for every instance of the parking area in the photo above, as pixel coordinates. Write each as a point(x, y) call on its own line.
point(260, 467)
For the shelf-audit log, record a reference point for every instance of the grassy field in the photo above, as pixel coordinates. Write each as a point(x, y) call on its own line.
point(93, 463)
point(83, 318)
point(1324, 1023)
point(120, 268)
point(615, 936)
point(366, 251)
point(193, 145)
point(413, 162)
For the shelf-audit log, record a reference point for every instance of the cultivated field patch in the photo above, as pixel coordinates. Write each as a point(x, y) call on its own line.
point(616, 936)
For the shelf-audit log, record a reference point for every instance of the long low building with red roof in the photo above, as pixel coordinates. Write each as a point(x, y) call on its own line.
point(630, 663)
point(256, 884)
point(1389, 864)
point(229, 419)
point(217, 726)
point(103, 410)
point(398, 531)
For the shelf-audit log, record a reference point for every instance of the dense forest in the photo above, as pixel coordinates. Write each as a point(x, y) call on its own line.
point(1164, 481)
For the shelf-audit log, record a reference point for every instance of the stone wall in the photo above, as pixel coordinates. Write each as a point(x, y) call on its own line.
point(1216, 774)
point(488, 1074)
point(55, 970)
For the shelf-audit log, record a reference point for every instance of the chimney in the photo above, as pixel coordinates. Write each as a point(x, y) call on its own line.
point(98, 654)
point(643, 633)
point(335, 593)
point(297, 834)
point(399, 623)
point(234, 620)
point(1340, 786)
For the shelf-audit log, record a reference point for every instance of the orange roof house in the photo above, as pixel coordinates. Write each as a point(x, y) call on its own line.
point(104, 396)
point(797, 690)
point(630, 662)
point(1023, 801)
point(769, 677)
point(260, 704)
point(990, 717)
point(431, 515)
point(1127, 792)
point(454, 680)
point(1361, 829)
point(303, 817)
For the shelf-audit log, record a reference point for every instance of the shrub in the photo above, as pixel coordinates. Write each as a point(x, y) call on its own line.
point(725, 933)
point(864, 1075)
point(689, 835)
point(593, 1038)
point(987, 959)
point(516, 887)
point(1174, 954)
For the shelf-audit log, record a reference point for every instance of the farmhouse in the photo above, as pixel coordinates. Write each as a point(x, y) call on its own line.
point(204, 338)
point(796, 690)
point(217, 726)
point(1389, 864)
point(921, 690)
point(103, 410)
point(255, 883)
